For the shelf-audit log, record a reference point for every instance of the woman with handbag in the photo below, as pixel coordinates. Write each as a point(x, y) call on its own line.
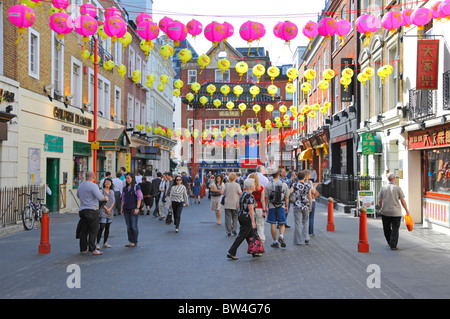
point(131, 201)
point(177, 198)
point(314, 195)
point(302, 208)
point(217, 188)
point(231, 204)
point(246, 219)
point(260, 209)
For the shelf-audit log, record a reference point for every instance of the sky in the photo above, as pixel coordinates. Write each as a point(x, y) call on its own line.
point(237, 12)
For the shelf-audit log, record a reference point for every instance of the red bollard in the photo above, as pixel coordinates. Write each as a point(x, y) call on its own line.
point(330, 225)
point(363, 245)
point(45, 247)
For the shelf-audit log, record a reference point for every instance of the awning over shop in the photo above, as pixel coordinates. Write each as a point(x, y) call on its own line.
point(306, 155)
point(113, 139)
point(378, 144)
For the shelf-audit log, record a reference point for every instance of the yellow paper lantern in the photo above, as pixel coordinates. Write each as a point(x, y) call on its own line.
point(254, 91)
point(85, 54)
point(203, 100)
point(146, 46)
point(217, 103)
point(185, 55)
point(388, 69)
point(306, 87)
point(290, 88)
point(149, 129)
point(256, 109)
point(345, 82)
point(242, 107)
point(189, 97)
point(238, 90)
point(272, 90)
point(324, 84)
point(161, 86)
point(164, 78)
point(301, 118)
point(347, 73)
point(286, 116)
point(283, 109)
point(225, 89)
point(126, 40)
point(151, 77)
point(223, 65)
point(92, 58)
point(203, 61)
point(306, 109)
point(327, 105)
point(315, 107)
point(293, 109)
point(368, 72)
point(269, 108)
point(230, 105)
point(101, 32)
point(148, 83)
point(195, 87)
point(178, 84)
point(166, 51)
point(279, 124)
point(273, 72)
point(292, 74)
point(328, 74)
point(241, 68)
point(310, 74)
point(323, 110)
point(312, 114)
point(211, 89)
point(259, 70)
point(176, 92)
point(286, 122)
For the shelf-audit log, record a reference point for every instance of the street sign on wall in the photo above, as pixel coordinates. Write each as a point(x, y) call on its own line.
point(368, 143)
point(427, 65)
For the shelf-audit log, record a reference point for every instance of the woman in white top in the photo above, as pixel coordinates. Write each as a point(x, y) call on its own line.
point(178, 197)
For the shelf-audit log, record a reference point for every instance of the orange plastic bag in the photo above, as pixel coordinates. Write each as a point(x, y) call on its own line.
point(409, 222)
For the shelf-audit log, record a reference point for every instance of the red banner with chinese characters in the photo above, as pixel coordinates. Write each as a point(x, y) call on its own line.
point(436, 137)
point(427, 64)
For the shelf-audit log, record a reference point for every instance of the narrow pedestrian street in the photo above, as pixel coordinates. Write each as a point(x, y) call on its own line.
point(192, 264)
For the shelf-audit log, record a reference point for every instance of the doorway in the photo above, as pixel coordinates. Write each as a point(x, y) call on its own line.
point(52, 181)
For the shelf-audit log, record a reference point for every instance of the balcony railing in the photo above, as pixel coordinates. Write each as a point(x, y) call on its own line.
point(422, 104)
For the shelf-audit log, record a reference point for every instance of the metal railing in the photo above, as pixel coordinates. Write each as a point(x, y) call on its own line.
point(13, 201)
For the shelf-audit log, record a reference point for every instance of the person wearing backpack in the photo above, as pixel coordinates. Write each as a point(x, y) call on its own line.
point(277, 194)
point(131, 202)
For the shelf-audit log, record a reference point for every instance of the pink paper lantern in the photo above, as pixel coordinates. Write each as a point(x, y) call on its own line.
point(420, 18)
point(343, 28)
point(164, 24)
point(310, 31)
point(148, 30)
point(247, 31)
point(194, 28)
point(444, 9)
point(22, 17)
point(88, 9)
point(85, 25)
point(115, 27)
point(406, 14)
point(112, 11)
point(276, 29)
point(61, 23)
point(435, 14)
point(368, 25)
point(288, 31)
point(392, 21)
point(229, 30)
point(327, 27)
point(61, 4)
point(177, 32)
point(214, 32)
point(143, 17)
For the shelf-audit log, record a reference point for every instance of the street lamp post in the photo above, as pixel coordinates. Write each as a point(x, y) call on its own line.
point(95, 104)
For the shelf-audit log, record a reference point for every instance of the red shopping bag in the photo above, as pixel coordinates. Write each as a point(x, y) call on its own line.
point(409, 222)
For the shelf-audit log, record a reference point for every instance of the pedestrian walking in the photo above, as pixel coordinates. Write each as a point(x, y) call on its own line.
point(391, 199)
point(168, 183)
point(178, 198)
point(216, 189)
point(106, 214)
point(261, 171)
point(246, 218)
point(196, 188)
point(302, 208)
point(314, 194)
point(277, 194)
point(231, 204)
point(156, 193)
point(131, 201)
point(117, 188)
point(87, 229)
point(260, 209)
point(146, 189)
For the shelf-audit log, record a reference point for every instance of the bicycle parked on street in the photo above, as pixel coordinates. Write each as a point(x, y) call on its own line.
point(32, 211)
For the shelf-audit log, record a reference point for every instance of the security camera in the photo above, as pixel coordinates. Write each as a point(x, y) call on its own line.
point(48, 88)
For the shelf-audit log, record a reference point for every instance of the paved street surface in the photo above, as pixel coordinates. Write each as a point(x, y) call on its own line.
point(193, 265)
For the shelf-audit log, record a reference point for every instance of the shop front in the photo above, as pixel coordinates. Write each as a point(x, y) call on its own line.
point(114, 144)
point(142, 158)
point(434, 147)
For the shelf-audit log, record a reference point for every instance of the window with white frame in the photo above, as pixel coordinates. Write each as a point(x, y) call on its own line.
point(76, 83)
point(75, 8)
point(392, 80)
point(222, 77)
point(130, 109)
point(107, 101)
point(131, 61)
point(57, 64)
point(192, 76)
point(137, 112)
point(377, 91)
point(117, 104)
point(33, 53)
point(139, 64)
point(100, 98)
point(118, 53)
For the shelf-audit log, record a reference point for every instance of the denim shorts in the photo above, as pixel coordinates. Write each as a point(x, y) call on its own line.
point(276, 215)
point(104, 220)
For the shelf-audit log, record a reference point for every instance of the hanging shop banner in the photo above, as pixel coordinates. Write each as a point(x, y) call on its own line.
point(347, 92)
point(427, 64)
point(368, 143)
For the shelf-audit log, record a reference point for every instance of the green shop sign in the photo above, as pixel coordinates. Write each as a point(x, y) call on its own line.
point(53, 144)
point(368, 143)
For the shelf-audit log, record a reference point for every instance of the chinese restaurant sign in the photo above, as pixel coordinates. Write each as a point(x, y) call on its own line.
point(436, 137)
point(427, 64)
point(368, 143)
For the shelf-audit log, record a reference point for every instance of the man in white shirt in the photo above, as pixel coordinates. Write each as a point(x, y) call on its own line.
point(263, 180)
point(139, 176)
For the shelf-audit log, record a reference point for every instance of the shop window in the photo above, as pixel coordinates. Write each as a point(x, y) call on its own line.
point(438, 173)
point(446, 90)
point(80, 167)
